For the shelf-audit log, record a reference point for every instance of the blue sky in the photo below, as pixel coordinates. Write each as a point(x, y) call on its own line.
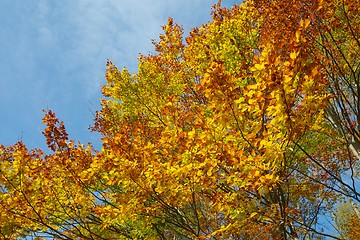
point(53, 55)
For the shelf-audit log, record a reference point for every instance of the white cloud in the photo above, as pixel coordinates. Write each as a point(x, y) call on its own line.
point(54, 52)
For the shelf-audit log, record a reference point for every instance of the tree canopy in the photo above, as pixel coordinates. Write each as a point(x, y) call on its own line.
point(248, 128)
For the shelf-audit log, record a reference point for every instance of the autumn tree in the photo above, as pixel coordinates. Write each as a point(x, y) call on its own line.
point(347, 220)
point(245, 129)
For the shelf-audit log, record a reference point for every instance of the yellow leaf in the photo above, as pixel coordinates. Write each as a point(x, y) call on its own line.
point(293, 55)
point(297, 36)
point(304, 24)
point(287, 79)
point(240, 100)
point(258, 67)
point(252, 101)
point(253, 214)
point(321, 5)
point(287, 63)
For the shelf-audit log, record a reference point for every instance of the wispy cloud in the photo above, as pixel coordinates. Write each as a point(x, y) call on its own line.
point(54, 52)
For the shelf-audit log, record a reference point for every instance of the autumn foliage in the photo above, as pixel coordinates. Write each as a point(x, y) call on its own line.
point(246, 129)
